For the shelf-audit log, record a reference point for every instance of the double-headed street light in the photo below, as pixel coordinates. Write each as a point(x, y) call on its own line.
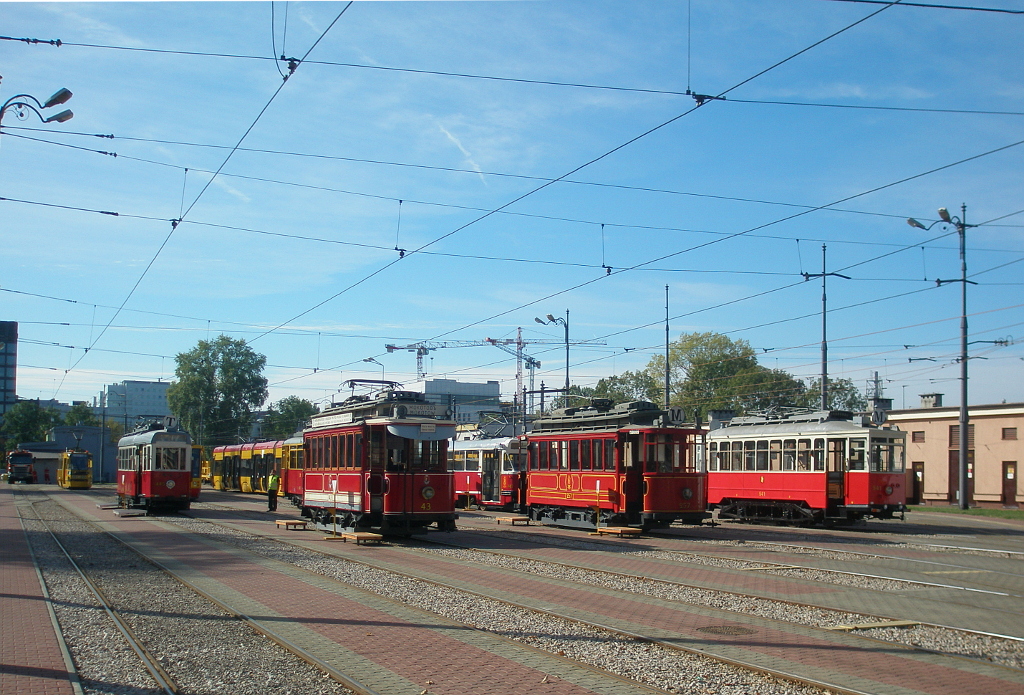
point(23, 104)
point(565, 322)
point(961, 229)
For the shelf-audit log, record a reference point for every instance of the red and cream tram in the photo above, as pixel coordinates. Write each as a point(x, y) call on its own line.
point(488, 472)
point(818, 467)
point(380, 464)
point(154, 468)
point(623, 465)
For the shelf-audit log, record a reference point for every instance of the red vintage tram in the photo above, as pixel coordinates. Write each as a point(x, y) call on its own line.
point(806, 468)
point(623, 465)
point(379, 464)
point(488, 473)
point(154, 467)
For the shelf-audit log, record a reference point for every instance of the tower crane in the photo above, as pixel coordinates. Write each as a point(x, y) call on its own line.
point(423, 348)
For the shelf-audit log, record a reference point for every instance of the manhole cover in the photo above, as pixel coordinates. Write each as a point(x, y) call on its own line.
point(727, 630)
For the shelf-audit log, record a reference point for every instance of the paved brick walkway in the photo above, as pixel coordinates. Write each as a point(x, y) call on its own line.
point(31, 660)
point(370, 627)
point(387, 646)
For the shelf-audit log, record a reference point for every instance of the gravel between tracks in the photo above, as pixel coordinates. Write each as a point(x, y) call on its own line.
point(1006, 652)
point(203, 649)
point(669, 669)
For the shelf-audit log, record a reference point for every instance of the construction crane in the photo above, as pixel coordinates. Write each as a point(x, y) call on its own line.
point(423, 348)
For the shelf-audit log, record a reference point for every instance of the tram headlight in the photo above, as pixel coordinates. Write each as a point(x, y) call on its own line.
point(427, 492)
point(888, 489)
point(687, 493)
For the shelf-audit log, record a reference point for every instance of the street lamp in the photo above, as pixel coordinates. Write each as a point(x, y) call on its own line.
point(961, 229)
point(22, 104)
point(370, 359)
point(565, 322)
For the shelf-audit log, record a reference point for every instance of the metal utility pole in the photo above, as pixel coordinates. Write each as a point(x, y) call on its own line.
point(824, 325)
point(961, 228)
point(667, 368)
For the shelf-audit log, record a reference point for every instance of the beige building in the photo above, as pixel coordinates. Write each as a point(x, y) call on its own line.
point(933, 453)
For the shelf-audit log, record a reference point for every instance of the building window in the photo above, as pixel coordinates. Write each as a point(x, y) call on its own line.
point(954, 435)
point(1010, 433)
point(917, 437)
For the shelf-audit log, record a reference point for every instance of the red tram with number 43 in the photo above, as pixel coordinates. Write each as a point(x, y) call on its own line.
point(807, 468)
point(380, 464)
point(623, 465)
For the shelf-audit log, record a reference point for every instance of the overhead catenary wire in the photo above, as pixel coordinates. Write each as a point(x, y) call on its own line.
point(175, 223)
point(700, 103)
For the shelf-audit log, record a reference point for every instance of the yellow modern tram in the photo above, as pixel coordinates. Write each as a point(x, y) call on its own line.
point(75, 469)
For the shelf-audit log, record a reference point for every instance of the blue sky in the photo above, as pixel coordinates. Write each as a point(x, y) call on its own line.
point(292, 245)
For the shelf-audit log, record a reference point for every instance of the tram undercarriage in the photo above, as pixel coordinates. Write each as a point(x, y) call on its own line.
point(373, 522)
point(799, 514)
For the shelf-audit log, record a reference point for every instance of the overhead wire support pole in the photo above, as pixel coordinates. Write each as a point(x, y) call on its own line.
point(667, 369)
point(824, 325)
point(961, 229)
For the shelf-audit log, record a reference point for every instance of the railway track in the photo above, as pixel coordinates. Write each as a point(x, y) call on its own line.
point(564, 631)
point(133, 627)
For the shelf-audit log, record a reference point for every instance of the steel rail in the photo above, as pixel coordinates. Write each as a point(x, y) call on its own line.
point(751, 596)
point(162, 678)
point(750, 666)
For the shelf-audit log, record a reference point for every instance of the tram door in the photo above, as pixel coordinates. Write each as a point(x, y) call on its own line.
point(490, 474)
point(632, 470)
point(835, 473)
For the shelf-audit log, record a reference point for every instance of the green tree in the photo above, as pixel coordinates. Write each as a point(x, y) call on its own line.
point(219, 384)
point(81, 414)
point(842, 395)
point(710, 371)
point(631, 386)
point(287, 416)
point(27, 422)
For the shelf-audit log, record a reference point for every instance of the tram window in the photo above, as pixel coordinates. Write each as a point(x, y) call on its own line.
point(352, 456)
point(762, 455)
point(456, 460)
point(775, 455)
point(694, 452)
point(789, 455)
point(585, 463)
point(376, 449)
point(748, 455)
point(563, 455)
point(357, 452)
point(886, 456)
point(342, 446)
point(680, 461)
point(713, 456)
point(736, 459)
point(662, 454)
point(574, 455)
point(472, 460)
point(803, 455)
point(857, 461)
point(723, 456)
point(836, 455)
point(609, 454)
point(818, 455)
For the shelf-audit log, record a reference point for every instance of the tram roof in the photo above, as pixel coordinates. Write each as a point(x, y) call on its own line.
point(601, 415)
point(821, 422)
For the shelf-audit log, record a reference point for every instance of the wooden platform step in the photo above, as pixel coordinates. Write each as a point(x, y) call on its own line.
point(290, 524)
point(360, 537)
point(619, 531)
point(129, 512)
point(513, 520)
